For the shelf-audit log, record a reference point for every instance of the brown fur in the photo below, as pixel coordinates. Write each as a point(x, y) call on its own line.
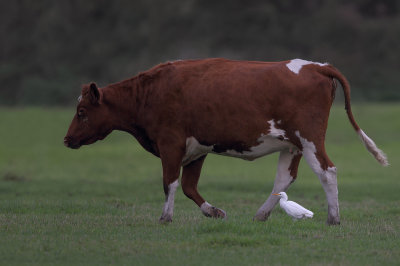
point(219, 102)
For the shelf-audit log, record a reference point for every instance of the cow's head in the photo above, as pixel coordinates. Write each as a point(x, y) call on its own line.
point(92, 120)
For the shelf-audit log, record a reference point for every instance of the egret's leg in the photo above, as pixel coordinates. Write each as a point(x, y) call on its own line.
point(285, 175)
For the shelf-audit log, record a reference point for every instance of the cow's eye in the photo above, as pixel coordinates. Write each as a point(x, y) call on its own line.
point(81, 113)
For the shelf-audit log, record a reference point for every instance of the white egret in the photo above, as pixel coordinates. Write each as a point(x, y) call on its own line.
point(293, 209)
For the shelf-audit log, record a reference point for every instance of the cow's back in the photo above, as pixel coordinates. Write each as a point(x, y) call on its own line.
point(234, 100)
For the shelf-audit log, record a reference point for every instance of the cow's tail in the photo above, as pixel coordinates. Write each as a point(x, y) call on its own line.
point(368, 142)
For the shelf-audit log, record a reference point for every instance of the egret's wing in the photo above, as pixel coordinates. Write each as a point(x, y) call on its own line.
point(296, 210)
point(297, 206)
point(291, 210)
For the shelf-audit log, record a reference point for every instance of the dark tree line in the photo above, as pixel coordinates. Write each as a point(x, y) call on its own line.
point(49, 48)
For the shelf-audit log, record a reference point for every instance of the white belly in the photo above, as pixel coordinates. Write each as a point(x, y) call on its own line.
point(267, 145)
point(194, 150)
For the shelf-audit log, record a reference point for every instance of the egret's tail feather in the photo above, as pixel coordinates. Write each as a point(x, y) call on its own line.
point(309, 214)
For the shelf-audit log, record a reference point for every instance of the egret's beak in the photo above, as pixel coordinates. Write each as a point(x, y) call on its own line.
point(276, 194)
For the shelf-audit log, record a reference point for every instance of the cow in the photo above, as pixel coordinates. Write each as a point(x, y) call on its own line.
point(180, 111)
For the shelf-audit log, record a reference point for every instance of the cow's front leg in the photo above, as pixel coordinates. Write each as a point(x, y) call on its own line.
point(285, 175)
point(190, 178)
point(168, 209)
point(171, 159)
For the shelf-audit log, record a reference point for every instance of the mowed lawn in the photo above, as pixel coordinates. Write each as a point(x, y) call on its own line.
point(100, 204)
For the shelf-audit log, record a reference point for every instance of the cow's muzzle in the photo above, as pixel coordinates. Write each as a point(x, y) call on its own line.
point(68, 142)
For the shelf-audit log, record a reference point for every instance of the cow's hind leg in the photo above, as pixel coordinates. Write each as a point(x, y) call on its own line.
point(285, 175)
point(190, 178)
point(322, 166)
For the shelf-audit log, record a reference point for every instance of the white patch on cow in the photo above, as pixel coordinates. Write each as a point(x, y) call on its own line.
point(283, 173)
point(267, 145)
point(309, 151)
point(210, 211)
point(194, 150)
point(275, 132)
point(80, 98)
point(282, 182)
point(295, 65)
point(206, 208)
point(327, 177)
point(372, 148)
point(168, 209)
point(330, 174)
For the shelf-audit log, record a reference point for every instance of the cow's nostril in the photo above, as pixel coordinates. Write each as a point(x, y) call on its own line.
point(66, 141)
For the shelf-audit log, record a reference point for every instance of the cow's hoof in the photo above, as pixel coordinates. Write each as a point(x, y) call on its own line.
point(333, 221)
point(261, 217)
point(213, 212)
point(217, 213)
point(165, 219)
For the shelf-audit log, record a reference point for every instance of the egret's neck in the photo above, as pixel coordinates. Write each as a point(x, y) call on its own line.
point(283, 199)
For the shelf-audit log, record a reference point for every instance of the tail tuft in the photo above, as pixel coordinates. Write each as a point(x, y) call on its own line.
point(379, 155)
point(332, 72)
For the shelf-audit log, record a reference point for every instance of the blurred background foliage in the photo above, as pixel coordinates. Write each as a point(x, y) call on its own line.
point(49, 48)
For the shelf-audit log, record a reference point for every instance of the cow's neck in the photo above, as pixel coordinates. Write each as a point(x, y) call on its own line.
point(121, 100)
point(125, 100)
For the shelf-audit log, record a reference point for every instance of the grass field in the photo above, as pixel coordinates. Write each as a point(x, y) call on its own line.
point(100, 204)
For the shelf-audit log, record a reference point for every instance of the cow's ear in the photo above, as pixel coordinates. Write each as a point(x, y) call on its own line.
point(94, 94)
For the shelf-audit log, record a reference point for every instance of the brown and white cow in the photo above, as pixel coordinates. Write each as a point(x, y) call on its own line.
point(181, 111)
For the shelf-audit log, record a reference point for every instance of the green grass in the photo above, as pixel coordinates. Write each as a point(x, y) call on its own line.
point(100, 204)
